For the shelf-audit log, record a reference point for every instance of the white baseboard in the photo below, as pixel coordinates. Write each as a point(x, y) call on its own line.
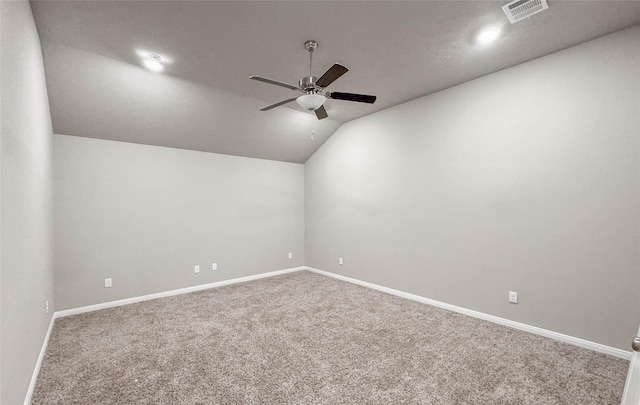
point(36, 370)
point(506, 322)
point(126, 301)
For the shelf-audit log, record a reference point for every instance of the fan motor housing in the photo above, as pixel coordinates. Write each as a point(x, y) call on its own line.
point(308, 83)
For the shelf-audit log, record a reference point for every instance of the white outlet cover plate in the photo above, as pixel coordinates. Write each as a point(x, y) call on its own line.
point(214, 266)
point(513, 297)
point(196, 269)
point(107, 282)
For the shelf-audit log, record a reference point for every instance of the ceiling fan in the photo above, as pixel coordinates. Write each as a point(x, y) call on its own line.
point(314, 89)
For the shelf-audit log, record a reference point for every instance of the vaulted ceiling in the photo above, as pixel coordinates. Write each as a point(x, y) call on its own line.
point(204, 100)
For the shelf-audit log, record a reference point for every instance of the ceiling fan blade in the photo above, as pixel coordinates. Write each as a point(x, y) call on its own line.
point(278, 104)
point(360, 98)
point(277, 83)
point(331, 75)
point(321, 113)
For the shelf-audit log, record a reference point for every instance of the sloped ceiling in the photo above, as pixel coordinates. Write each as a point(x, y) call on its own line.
point(204, 101)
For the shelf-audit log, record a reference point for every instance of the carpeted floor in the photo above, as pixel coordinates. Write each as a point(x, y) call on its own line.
point(303, 338)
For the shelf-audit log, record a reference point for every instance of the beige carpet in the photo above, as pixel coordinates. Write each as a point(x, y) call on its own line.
point(303, 338)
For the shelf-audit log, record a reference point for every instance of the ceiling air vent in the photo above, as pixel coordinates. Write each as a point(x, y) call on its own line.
point(520, 9)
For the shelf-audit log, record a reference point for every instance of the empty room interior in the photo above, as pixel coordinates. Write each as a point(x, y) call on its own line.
point(320, 202)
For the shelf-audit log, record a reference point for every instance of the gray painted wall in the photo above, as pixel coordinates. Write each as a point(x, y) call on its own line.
point(523, 180)
point(26, 273)
point(145, 215)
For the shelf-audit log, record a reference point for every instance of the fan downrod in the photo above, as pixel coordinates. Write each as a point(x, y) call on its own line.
point(308, 84)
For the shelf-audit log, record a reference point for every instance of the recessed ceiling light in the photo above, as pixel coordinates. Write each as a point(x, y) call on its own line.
point(153, 62)
point(488, 35)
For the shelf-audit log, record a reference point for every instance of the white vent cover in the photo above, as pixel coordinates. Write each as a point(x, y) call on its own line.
point(520, 9)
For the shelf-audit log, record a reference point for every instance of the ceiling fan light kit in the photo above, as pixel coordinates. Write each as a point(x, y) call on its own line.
point(313, 88)
point(311, 101)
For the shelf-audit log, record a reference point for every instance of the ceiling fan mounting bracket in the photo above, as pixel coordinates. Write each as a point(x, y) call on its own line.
point(311, 45)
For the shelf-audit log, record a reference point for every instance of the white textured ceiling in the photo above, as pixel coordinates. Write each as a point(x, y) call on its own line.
point(204, 100)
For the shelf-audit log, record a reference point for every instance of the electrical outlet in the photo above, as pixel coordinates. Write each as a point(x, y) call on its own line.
point(196, 268)
point(46, 307)
point(107, 282)
point(340, 261)
point(290, 255)
point(214, 266)
point(513, 297)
